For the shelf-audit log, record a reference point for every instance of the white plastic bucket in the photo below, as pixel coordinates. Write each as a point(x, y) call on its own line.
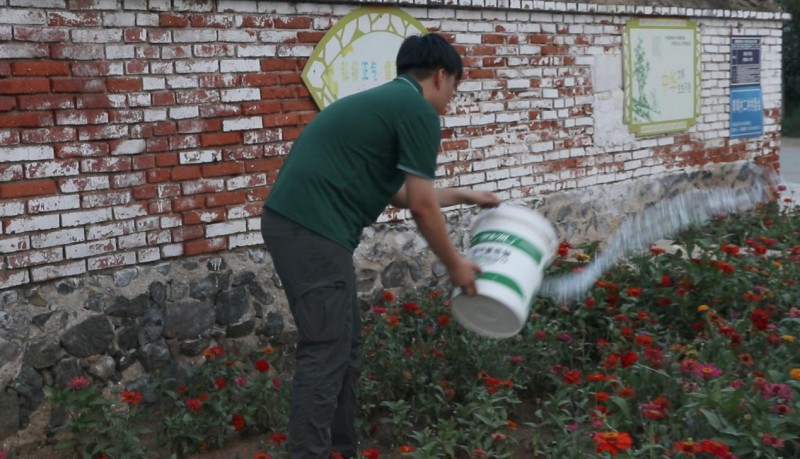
point(512, 245)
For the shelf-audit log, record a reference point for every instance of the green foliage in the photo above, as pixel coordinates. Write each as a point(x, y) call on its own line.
point(791, 68)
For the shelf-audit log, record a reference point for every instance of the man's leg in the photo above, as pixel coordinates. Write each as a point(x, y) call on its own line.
point(344, 433)
point(318, 280)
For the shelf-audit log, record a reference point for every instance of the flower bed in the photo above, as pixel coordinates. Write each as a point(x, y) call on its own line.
point(669, 355)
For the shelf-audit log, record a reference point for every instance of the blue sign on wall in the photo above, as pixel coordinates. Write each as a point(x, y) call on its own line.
point(747, 112)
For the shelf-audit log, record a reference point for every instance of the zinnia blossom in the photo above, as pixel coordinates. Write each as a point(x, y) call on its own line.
point(131, 397)
point(261, 455)
point(407, 449)
point(279, 438)
point(194, 405)
point(572, 377)
point(238, 422)
point(79, 382)
point(262, 365)
point(706, 371)
point(612, 442)
point(370, 453)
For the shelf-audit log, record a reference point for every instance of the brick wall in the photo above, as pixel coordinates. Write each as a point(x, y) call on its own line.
point(133, 131)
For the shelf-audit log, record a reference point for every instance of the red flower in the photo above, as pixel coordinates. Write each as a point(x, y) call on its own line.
point(634, 292)
point(131, 397)
point(563, 249)
point(629, 359)
point(370, 453)
point(279, 438)
point(444, 320)
point(760, 319)
point(572, 377)
point(730, 249)
point(665, 281)
point(262, 365)
point(410, 306)
point(388, 296)
point(261, 455)
point(238, 422)
point(182, 389)
point(220, 383)
point(79, 382)
point(715, 447)
point(407, 449)
point(612, 442)
point(213, 352)
point(194, 405)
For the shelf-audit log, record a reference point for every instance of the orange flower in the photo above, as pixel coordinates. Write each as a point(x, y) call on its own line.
point(261, 455)
point(407, 449)
point(213, 352)
point(131, 397)
point(612, 442)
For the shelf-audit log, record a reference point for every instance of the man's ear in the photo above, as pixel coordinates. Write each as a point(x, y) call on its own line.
point(440, 77)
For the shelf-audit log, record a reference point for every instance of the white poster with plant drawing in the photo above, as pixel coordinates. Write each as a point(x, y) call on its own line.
point(662, 75)
point(358, 53)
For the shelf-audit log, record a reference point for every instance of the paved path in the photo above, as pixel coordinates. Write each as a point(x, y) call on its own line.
point(790, 160)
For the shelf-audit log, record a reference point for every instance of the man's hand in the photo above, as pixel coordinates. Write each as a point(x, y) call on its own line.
point(462, 274)
point(483, 199)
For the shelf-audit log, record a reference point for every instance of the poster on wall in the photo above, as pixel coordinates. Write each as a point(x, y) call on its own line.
point(358, 53)
point(747, 108)
point(662, 75)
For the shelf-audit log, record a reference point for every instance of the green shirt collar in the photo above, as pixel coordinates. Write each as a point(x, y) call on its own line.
point(411, 81)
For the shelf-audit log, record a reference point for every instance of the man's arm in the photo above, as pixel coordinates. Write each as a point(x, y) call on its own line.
point(422, 199)
point(450, 197)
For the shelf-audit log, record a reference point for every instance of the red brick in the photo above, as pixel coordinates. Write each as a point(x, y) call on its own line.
point(48, 102)
point(144, 192)
point(161, 206)
point(290, 78)
point(272, 65)
point(297, 22)
point(260, 194)
point(257, 22)
point(28, 188)
point(204, 246)
point(277, 93)
point(298, 105)
point(73, 19)
point(137, 67)
point(41, 34)
point(226, 198)
point(143, 162)
point(261, 107)
point(310, 37)
point(195, 126)
point(135, 35)
point(158, 176)
point(222, 169)
point(165, 128)
point(7, 104)
point(199, 217)
point(186, 233)
point(188, 203)
point(25, 86)
point(260, 79)
point(172, 20)
point(106, 165)
point(123, 84)
point(30, 119)
point(185, 173)
point(81, 150)
point(289, 134)
point(262, 165)
point(167, 159)
point(283, 119)
point(163, 98)
point(39, 68)
point(219, 81)
point(225, 138)
point(78, 85)
point(50, 135)
point(199, 21)
point(94, 101)
point(157, 144)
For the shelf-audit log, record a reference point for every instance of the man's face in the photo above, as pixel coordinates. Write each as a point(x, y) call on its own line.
point(446, 86)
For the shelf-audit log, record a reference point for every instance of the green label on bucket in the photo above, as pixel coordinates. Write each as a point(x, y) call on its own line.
point(508, 239)
point(504, 280)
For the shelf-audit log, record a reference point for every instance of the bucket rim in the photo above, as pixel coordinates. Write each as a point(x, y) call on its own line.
point(523, 214)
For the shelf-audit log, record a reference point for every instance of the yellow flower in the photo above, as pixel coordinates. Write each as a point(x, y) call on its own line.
point(702, 308)
point(788, 338)
point(583, 257)
point(777, 264)
point(795, 374)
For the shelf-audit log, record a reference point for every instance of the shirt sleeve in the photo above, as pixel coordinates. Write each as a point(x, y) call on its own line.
point(419, 137)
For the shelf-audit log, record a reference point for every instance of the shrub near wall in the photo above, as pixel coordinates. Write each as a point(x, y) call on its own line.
point(133, 131)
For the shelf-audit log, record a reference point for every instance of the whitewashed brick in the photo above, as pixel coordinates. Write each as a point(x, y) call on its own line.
point(247, 181)
point(159, 237)
point(203, 186)
point(237, 36)
point(28, 224)
point(85, 250)
point(182, 113)
point(172, 250)
point(197, 66)
point(111, 261)
point(200, 156)
point(250, 239)
point(131, 241)
point(85, 217)
point(156, 114)
point(151, 83)
point(222, 229)
point(194, 36)
point(11, 209)
point(256, 50)
point(129, 147)
point(51, 169)
point(148, 255)
point(110, 230)
point(23, 17)
point(171, 221)
point(75, 185)
point(56, 238)
point(240, 94)
point(53, 203)
point(19, 154)
point(193, 5)
point(242, 124)
point(178, 82)
point(237, 6)
point(14, 244)
point(35, 257)
point(43, 273)
point(10, 279)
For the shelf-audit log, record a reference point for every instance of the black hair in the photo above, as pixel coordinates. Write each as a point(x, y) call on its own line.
point(422, 55)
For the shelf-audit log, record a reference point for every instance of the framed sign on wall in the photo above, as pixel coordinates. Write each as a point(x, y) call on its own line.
point(661, 67)
point(358, 53)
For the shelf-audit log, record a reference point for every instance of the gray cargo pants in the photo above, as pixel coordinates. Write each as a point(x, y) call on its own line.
point(318, 278)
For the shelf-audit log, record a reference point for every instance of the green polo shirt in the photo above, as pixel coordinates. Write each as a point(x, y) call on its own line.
point(352, 158)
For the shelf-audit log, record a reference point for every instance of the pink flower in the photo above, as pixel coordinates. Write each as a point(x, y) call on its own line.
point(706, 371)
point(79, 382)
point(240, 381)
point(3, 454)
point(771, 440)
point(776, 390)
point(379, 309)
